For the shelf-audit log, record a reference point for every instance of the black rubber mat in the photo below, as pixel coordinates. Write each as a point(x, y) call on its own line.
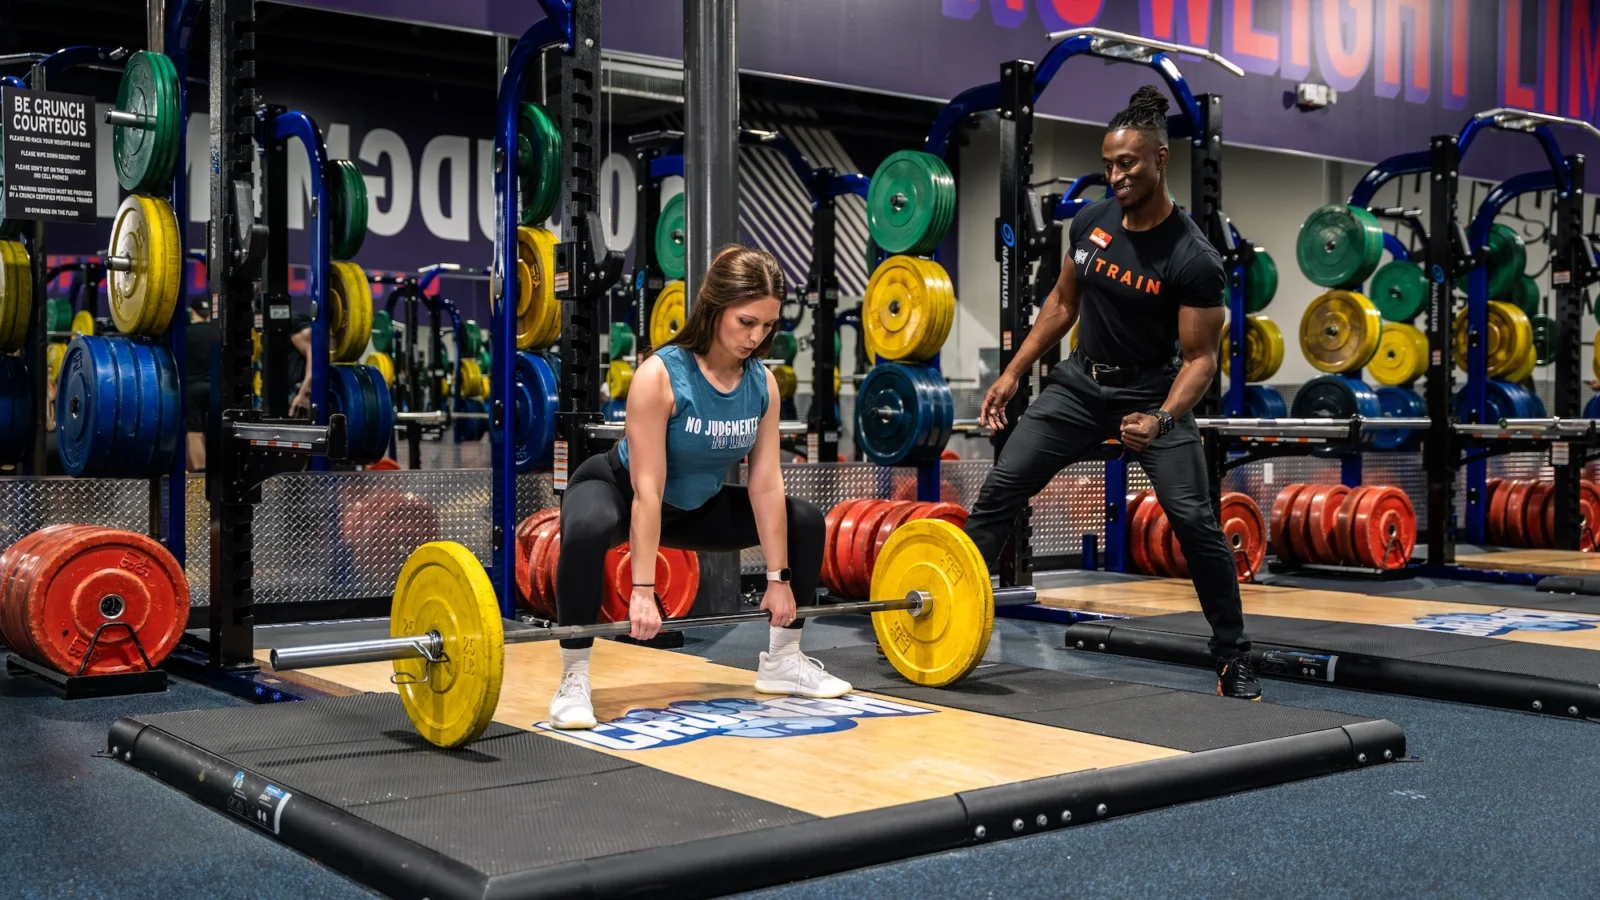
point(519, 814)
point(1518, 597)
point(479, 804)
point(1465, 651)
point(1182, 720)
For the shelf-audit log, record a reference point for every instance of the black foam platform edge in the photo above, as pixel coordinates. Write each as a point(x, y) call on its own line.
point(1414, 678)
point(1569, 584)
point(363, 851)
point(1046, 804)
point(753, 859)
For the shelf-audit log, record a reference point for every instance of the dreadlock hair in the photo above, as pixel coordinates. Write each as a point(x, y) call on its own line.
point(1146, 112)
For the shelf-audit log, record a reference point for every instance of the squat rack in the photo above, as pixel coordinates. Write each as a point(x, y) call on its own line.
point(584, 269)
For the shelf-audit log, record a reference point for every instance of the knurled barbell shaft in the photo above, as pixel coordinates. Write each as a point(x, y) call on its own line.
point(429, 645)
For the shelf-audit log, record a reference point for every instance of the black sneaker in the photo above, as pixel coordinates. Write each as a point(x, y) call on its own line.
point(1237, 678)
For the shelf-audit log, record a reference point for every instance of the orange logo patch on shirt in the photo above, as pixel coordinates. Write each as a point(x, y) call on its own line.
point(1100, 239)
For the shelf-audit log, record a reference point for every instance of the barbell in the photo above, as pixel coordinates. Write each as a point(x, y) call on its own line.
point(448, 641)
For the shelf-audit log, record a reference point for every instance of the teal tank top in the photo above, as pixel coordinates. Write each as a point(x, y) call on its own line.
point(710, 430)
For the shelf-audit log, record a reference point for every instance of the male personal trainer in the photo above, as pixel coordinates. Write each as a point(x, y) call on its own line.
point(1150, 288)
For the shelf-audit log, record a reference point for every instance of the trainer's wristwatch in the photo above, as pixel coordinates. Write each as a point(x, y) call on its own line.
point(1164, 422)
point(781, 576)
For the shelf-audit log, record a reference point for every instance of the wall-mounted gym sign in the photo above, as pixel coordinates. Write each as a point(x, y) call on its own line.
point(48, 149)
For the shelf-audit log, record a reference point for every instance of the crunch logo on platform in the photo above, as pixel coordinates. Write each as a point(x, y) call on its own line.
point(689, 720)
point(1503, 621)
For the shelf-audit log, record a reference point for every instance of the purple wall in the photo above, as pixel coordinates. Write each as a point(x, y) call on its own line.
point(1405, 69)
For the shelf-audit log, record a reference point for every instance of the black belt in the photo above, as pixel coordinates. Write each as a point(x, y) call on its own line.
point(1115, 376)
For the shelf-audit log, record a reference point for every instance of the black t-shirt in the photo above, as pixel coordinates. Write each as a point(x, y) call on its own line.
point(296, 362)
point(198, 339)
point(1131, 283)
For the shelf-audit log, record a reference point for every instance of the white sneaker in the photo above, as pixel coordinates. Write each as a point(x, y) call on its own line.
point(570, 708)
point(799, 674)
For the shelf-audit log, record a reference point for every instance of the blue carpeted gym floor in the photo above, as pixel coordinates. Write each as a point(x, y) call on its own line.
point(1495, 804)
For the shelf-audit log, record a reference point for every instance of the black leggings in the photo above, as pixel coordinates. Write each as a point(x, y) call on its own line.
point(595, 516)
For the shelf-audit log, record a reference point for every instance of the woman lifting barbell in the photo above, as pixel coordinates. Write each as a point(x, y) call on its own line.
point(697, 406)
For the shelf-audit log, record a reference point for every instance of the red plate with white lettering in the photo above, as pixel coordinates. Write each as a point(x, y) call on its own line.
point(1142, 511)
point(1588, 522)
point(1516, 521)
point(858, 565)
point(1282, 520)
point(79, 581)
point(1324, 514)
point(1490, 489)
point(1540, 516)
point(1246, 533)
point(831, 540)
point(839, 549)
point(949, 512)
point(546, 555)
point(896, 517)
point(524, 551)
point(1160, 548)
point(1300, 523)
point(677, 581)
point(1344, 524)
point(1384, 528)
point(13, 582)
point(1495, 520)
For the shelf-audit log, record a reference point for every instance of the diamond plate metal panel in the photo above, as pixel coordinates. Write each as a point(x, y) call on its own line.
point(28, 504)
point(302, 524)
point(324, 535)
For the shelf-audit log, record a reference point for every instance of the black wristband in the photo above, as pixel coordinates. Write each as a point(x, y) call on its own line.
point(636, 584)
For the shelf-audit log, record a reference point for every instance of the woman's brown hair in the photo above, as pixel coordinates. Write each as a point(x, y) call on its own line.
point(737, 275)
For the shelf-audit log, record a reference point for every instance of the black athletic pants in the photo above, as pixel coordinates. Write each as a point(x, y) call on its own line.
point(595, 516)
point(1070, 417)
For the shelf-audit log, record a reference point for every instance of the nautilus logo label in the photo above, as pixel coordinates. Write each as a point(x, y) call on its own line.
point(683, 721)
point(1080, 256)
point(1503, 621)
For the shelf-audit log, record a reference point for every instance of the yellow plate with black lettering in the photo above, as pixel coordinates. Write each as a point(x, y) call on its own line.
point(1339, 331)
point(787, 380)
point(1402, 355)
point(944, 297)
point(669, 314)
point(946, 642)
point(384, 364)
point(350, 308)
point(16, 295)
point(903, 315)
point(539, 320)
point(471, 378)
point(143, 297)
point(619, 377)
point(1509, 341)
point(54, 354)
point(443, 588)
point(1263, 348)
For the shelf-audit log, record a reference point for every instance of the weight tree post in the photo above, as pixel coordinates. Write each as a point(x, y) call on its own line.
point(1439, 444)
point(1205, 199)
point(822, 293)
point(230, 270)
point(711, 198)
point(1015, 246)
point(647, 277)
point(556, 29)
point(1568, 270)
point(277, 315)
